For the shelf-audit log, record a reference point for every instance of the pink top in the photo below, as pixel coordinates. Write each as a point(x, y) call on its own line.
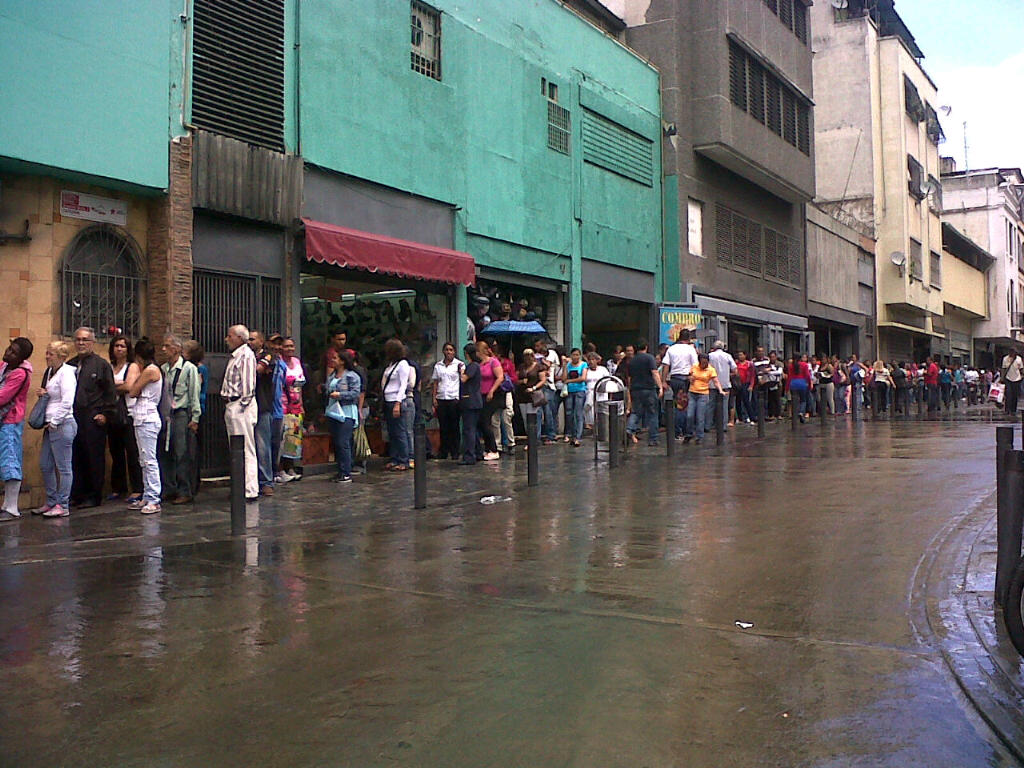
point(291, 392)
point(15, 387)
point(488, 373)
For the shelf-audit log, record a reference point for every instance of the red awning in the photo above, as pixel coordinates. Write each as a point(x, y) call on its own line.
point(375, 253)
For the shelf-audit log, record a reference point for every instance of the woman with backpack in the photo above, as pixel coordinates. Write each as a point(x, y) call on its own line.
point(146, 387)
point(15, 382)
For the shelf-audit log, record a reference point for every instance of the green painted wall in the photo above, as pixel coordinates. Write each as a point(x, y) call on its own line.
point(85, 87)
point(477, 139)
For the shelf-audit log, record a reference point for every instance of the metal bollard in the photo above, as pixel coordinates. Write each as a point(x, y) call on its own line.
point(1008, 513)
point(821, 406)
point(532, 450)
point(237, 443)
point(613, 436)
point(670, 425)
point(794, 410)
point(759, 396)
point(419, 471)
point(874, 402)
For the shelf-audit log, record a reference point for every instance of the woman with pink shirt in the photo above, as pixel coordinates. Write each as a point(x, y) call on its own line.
point(15, 381)
point(491, 376)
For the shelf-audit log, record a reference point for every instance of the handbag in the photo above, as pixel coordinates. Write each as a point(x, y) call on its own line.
point(37, 417)
point(539, 398)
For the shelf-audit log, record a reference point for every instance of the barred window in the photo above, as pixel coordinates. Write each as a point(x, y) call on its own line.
point(102, 282)
point(426, 40)
point(916, 265)
point(768, 100)
point(559, 125)
point(935, 270)
point(747, 246)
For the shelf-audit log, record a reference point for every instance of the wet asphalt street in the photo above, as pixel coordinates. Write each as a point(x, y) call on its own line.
point(755, 605)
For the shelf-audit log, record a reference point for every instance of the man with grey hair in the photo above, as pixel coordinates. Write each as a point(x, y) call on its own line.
point(239, 392)
point(725, 367)
point(178, 442)
point(95, 405)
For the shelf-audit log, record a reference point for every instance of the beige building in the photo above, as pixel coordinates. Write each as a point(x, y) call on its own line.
point(877, 162)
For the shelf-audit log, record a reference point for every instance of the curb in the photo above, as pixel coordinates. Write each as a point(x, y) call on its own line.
point(954, 586)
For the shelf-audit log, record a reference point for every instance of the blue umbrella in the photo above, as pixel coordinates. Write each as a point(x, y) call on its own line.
point(499, 327)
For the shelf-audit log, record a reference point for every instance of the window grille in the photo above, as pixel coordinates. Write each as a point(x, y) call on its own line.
point(912, 100)
point(617, 149)
point(221, 299)
point(426, 40)
point(915, 182)
point(935, 270)
point(747, 246)
point(238, 70)
point(935, 134)
point(102, 281)
point(767, 99)
point(916, 266)
point(559, 126)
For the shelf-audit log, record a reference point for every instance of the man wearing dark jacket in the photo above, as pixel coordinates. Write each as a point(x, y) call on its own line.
point(95, 404)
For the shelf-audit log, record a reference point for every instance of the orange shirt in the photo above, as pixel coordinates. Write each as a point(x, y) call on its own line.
point(700, 380)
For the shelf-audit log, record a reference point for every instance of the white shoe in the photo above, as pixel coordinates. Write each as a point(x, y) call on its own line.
point(281, 479)
point(492, 456)
point(291, 474)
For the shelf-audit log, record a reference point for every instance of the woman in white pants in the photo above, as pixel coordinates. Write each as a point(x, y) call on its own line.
point(147, 389)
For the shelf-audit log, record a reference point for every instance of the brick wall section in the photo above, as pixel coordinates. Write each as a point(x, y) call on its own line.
point(169, 245)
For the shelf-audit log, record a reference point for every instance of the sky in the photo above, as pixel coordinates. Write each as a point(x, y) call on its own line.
point(974, 52)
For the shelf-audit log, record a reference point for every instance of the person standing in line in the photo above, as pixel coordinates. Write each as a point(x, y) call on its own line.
point(931, 384)
point(857, 377)
point(125, 469)
point(594, 373)
point(826, 387)
point(274, 344)
point(501, 420)
point(945, 385)
point(147, 390)
point(531, 378)
point(798, 383)
point(677, 361)
point(553, 363)
point(178, 449)
point(445, 382)
point(292, 406)
point(576, 384)
point(95, 407)
point(491, 376)
point(881, 380)
point(416, 414)
point(760, 383)
point(238, 390)
point(266, 366)
point(59, 431)
point(343, 388)
point(702, 375)
point(725, 366)
point(397, 402)
point(841, 382)
point(1011, 373)
point(745, 375)
point(470, 403)
point(773, 387)
point(901, 399)
point(15, 381)
point(195, 354)
point(645, 392)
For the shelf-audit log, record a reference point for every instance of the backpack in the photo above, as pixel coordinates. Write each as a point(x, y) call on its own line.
point(899, 377)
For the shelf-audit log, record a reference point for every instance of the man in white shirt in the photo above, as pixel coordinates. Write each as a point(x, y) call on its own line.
point(239, 392)
point(553, 362)
point(724, 366)
point(677, 362)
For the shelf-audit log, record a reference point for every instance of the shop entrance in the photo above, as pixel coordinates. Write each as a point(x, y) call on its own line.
point(743, 338)
point(609, 321)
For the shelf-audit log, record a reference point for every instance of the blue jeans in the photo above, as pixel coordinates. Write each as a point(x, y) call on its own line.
point(55, 462)
point(341, 435)
point(695, 414)
point(265, 449)
point(645, 408)
point(11, 450)
point(799, 395)
point(146, 435)
point(399, 447)
point(551, 414)
point(574, 405)
point(719, 402)
point(276, 436)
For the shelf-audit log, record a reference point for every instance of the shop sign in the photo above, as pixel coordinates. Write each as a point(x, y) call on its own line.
point(103, 209)
point(674, 318)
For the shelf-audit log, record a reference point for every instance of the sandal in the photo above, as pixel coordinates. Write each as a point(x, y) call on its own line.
point(134, 497)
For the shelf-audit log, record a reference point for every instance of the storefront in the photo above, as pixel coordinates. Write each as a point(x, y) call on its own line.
point(374, 288)
point(744, 327)
point(617, 304)
point(497, 297)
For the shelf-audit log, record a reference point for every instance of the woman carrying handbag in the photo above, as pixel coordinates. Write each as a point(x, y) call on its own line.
point(59, 430)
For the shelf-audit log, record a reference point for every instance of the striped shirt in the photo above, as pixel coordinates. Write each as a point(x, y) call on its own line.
point(240, 376)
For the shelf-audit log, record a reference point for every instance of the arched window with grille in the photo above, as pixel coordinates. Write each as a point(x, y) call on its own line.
point(102, 282)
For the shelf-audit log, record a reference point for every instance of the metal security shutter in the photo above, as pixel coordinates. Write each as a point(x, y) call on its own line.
point(617, 149)
point(238, 70)
point(270, 306)
point(737, 76)
point(754, 261)
point(771, 253)
point(740, 241)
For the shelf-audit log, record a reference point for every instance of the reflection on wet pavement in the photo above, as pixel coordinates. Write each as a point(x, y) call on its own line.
point(743, 606)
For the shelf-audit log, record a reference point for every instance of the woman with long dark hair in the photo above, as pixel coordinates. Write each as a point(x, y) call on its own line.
point(397, 403)
point(798, 382)
point(470, 404)
point(146, 388)
point(125, 470)
point(343, 388)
